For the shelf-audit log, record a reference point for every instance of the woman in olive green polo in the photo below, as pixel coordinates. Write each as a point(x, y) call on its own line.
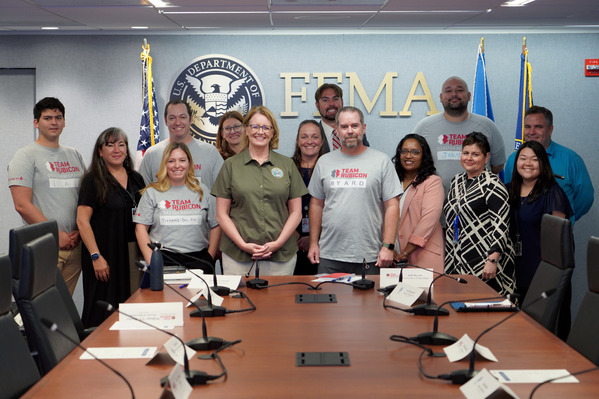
point(258, 201)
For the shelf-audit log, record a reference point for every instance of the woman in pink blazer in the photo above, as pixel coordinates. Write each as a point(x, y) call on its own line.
point(419, 236)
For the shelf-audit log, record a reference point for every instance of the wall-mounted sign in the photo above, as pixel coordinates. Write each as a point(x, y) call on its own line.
point(212, 85)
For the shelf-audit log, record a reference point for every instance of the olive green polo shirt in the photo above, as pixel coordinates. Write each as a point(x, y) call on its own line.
point(259, 195)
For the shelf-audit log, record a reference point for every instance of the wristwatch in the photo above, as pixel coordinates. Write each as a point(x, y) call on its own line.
point(95, 256)
point(389, 246)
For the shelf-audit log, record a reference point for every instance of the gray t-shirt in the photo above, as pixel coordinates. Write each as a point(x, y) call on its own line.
point(445, 139)
point(206, 161)
point(53, 174)
point(354, 189)
point(178, 218)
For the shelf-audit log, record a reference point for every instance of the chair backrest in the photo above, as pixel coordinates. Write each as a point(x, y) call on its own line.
point(585, 329)
point(554, 272)
point(39, 298)
point(17, 369)
point(21, 236)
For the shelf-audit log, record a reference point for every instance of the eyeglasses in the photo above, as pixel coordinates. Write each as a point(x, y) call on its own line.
point(265, 129)
point(234, 128)
point(414, 153)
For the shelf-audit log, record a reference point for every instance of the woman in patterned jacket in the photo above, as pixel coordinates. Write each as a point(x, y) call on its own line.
point(477, 213)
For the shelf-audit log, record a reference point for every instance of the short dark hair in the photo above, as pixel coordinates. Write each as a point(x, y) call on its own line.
point(535, 109)
point(325, 86)
point(478, 139)
point(349, 108)
point(45, 103)
point(175, 102)
point(427, 166)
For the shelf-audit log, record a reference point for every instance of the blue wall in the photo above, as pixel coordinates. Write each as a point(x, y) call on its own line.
point(98, 78)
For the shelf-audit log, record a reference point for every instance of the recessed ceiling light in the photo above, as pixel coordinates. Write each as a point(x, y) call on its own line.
point(139, 27)
point(160, 3)
point(49, 27)
point(516, 3)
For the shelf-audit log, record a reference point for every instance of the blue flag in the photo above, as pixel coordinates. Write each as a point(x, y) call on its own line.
point(524, 97)
point(149, 133)
point(481, 102)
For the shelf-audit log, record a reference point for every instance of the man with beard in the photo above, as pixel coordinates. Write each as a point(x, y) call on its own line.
point(354, 208)
point(445, 131)
point(329, 100)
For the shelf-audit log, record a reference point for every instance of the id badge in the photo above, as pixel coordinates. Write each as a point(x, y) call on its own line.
point(133, 211)
point(518, 246)
point(305, 225)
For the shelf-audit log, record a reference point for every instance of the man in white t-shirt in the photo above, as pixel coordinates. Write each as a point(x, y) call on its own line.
point(44, 182)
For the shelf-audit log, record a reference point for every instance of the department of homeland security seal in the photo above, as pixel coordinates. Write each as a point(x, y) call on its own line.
point(212, 85)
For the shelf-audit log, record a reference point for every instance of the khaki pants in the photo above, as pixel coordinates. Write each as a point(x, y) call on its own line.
point(69, 264)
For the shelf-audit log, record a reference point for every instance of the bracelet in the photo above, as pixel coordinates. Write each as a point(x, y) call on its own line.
point(491, 260)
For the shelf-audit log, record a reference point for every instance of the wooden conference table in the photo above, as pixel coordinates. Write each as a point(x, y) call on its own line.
point(263, 364)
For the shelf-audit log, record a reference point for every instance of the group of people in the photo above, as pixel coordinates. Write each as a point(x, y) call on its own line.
point(333, 206)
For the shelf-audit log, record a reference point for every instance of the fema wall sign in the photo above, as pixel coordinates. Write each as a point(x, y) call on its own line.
point(212, 85)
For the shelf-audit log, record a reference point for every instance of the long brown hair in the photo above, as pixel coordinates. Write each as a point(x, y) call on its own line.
point(104, 181)
point(297, 154)
point(221, 144)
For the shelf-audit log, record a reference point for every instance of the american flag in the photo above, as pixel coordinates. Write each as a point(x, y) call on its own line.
point(149, 133)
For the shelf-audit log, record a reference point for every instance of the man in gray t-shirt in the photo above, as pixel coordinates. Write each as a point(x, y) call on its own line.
point(206, 158)
point(445, 131)
point(44, 182)
point(354, 210)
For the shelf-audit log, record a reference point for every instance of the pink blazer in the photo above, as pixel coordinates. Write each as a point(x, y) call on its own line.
point(419, 224)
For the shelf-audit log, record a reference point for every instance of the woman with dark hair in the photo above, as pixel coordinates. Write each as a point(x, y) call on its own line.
point(258, 201)
point(419, 236)
point(308, 148)
point(108, 197)
point(533, 193)
point(477, 214)
point(181, 212)
point(229, 134)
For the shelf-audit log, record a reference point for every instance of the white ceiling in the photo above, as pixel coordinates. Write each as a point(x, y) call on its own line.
point(231, 16)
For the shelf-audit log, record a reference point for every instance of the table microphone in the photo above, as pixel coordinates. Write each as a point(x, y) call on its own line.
point(462, 376)
point(257, 282)
point(363, 284)
point(192, 376)
point(219, 290)
point(207, 311)
point(427, 309)
point(436, 338)
point(54, 327)
point(198, 344)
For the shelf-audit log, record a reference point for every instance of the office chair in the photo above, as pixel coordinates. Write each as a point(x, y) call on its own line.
point(585, 328)
point(21, 236)
point(554, 271)
point(39, 298)
point(17, 369)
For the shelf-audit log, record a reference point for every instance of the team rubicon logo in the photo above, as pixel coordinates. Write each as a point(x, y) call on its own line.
point(451, 139)
point(215, 84)
point(61, 167)
point(178, 205)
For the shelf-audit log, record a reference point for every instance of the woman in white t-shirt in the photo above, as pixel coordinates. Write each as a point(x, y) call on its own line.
point(179, 213)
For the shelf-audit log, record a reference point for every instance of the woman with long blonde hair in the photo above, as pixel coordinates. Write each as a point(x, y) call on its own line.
point(180, 212)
